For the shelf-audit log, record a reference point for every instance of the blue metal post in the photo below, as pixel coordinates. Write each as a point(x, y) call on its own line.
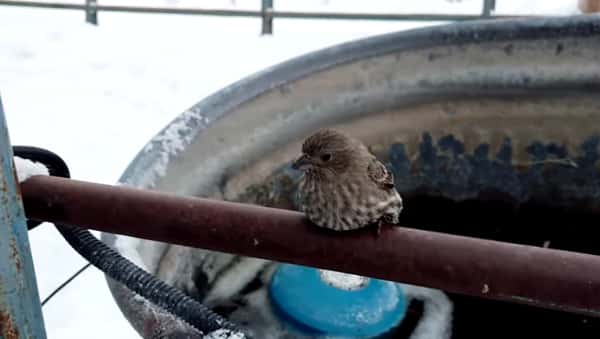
point(20, 310)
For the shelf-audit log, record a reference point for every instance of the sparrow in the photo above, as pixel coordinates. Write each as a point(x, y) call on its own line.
point(344, 187)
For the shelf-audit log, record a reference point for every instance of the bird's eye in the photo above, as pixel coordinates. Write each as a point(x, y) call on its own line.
point(326, 157)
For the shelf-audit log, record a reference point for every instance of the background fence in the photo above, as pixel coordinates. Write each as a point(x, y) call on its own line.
point(266, 13)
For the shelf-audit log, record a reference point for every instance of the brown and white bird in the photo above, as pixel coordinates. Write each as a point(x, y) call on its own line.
point(344, 186)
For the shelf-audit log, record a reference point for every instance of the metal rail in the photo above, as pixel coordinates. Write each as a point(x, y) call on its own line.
point(20, 310)
point(536, 276)
point(267, 13)
point(251, 13)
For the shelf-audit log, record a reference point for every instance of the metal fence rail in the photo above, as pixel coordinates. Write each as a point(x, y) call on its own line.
point(266, 13)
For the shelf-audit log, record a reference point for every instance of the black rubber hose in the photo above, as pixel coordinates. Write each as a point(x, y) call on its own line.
point(141, 282)
point(120, 268)
point(55, 165)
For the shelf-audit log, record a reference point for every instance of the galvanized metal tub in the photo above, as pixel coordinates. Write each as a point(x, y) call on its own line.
point(490, 127)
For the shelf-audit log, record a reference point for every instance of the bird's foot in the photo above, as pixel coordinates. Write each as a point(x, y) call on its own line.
point(391, 219)
point(378, 228)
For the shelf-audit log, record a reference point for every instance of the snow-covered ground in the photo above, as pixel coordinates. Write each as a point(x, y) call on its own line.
point(96, 95)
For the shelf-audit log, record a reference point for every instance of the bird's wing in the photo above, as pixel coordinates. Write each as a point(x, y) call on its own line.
point(380, 175)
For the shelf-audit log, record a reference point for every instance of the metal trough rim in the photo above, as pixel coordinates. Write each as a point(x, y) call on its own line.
point(218, 105)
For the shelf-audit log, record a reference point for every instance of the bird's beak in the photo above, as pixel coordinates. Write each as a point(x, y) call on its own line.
point(302, 163)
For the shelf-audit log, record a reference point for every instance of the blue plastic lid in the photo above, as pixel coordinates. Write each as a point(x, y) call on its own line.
point(337, 304)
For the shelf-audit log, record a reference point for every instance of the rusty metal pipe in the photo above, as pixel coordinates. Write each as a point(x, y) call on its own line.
point(524, 274)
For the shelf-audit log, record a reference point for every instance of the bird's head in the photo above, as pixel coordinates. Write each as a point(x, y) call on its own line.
point(328, 149)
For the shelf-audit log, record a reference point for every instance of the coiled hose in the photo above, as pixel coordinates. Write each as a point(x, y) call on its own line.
point(120, 268)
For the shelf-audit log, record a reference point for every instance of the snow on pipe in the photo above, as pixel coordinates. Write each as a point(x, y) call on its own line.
point(536, 276)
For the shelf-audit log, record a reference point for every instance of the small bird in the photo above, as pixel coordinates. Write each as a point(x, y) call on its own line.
point(344, 186)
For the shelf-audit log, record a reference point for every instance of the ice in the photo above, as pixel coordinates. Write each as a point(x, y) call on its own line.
point(224, 334)
point(437, 313)
point(345, 281)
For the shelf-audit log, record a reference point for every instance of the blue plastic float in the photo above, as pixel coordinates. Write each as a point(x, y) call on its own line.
point(333, 303)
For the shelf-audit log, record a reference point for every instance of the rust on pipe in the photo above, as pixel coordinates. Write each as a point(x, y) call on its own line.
point(536, 276)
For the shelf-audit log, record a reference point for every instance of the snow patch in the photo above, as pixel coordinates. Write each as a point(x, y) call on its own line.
point(27, 169)
point(224, 334)
point(345, 281)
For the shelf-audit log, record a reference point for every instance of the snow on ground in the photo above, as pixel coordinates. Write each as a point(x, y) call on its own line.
point(96, 95)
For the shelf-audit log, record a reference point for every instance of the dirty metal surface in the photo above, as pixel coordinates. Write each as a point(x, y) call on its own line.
point(20, 310)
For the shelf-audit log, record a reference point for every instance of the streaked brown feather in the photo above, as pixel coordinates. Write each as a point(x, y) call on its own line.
point(380, 175)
